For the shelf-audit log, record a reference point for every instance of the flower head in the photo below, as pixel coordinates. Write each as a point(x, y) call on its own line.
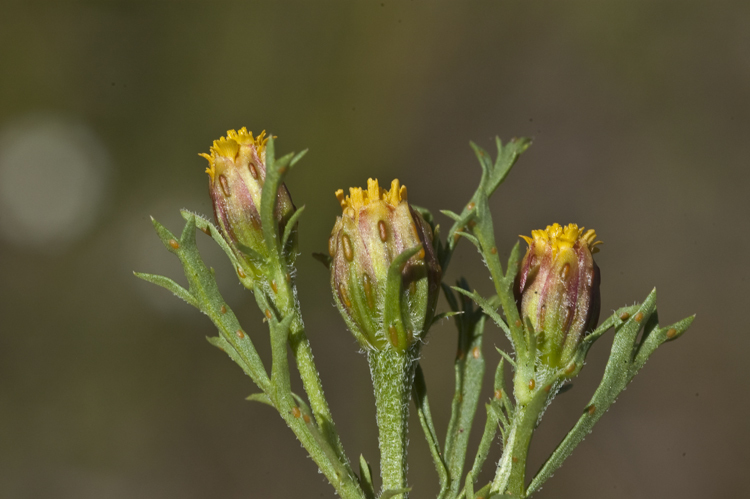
point(557, 289)
point(376, 226)
point(236, 173)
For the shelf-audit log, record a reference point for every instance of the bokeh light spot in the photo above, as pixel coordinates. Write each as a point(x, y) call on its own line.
point(54, 173)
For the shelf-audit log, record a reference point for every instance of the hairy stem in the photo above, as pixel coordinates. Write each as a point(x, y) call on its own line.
point(392, 377)
point(303, 356)
point(510, 477)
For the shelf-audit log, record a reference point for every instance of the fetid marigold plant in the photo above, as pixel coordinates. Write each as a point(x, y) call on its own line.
point(387, 259)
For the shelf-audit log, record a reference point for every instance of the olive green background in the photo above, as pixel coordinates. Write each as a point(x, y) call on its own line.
point(640, 116)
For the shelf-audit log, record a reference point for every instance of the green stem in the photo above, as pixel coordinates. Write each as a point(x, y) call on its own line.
point(303, 356)
point(510, 477)
point(392, 377)
point(345, 484)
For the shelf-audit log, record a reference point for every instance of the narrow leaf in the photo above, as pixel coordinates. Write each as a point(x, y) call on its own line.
point(425, 418)
point(298, 157)
point(444, 315)
point(483, 157)
point(507, 156)
point(659, 337)
point(619, 371)
point(488, 436)
point(506, 357)
point(471, 238)
point(260, 397)
point(365, 478)
point(291, 225)
point(450, 214)
point(167, 283)
point(208, 228)
point(488, 309)
point(167, 238)
point(469, 371)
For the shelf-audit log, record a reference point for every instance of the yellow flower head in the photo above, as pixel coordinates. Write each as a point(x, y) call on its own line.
point(557, 289)
point(359, 198)
point(560, 237)
point(378, 225)
point(237, 173)
point(229, 147)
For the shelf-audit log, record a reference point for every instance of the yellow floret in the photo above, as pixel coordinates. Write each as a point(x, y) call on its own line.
point(564, 237)
point(229, 146)
point(359, 198)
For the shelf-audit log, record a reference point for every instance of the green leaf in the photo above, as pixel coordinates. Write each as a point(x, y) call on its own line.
point(493, 174)
point(482, 235)
point(236, 343)
point(613, 320)
point(206, 297)
point(450, 214)
point(488, 308)
point(209, 228)
point(471, 238)
point(365, 478)
point(468, 487)
point(167, 238)
point(506, 357)
point(444, 315)
point(483, 157)
point(291, 225)
point(236, 355)
point(625, 360)
point(243, 273)
point(507, 156)
point(659, 336)
point(320, 439)
point(297, 157)
point(284, 162)
point(495, 418)
point(260, 397)
point(425, 418)
point(488, 436)
point(469, 371)
point(167, 283)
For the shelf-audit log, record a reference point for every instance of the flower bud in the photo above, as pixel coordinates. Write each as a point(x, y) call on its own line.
point(557, 289)
point(237, 172)
point(376, 226)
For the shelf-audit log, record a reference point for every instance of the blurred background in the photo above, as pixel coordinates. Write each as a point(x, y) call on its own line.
point(640, 116)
